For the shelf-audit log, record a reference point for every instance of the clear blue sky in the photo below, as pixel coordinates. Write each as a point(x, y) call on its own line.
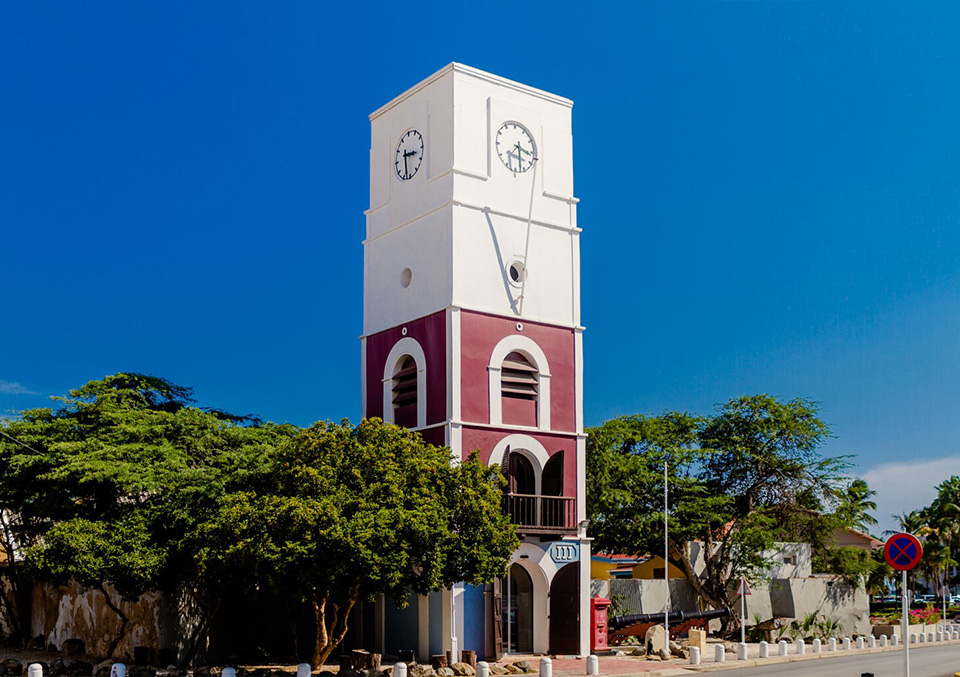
point(769, 200)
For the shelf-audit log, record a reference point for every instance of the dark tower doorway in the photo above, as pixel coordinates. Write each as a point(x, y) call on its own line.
point(565, 610)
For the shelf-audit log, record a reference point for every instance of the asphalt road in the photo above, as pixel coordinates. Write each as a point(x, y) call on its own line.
point(934, 661)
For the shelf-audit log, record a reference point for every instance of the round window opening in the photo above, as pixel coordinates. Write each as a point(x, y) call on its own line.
point(406, 277)
point(517, 273)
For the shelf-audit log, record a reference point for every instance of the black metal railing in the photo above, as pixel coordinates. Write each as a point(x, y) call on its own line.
point(532, 512)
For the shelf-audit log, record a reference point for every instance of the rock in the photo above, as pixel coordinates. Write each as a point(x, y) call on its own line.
point(444, 672)
point(523, 665)
point(653, 657)
point(420, 671)
point(79, 669)
point(206, 671)
point(38, 643)
point(52, 648)
point(74, 647)
point(102, 669)
point(655, 641)
point(497, 670)
point(57, 668)
point(144, 671)
point(11, 666)
point(513, 669)
point(664, 655)
point(463, 670)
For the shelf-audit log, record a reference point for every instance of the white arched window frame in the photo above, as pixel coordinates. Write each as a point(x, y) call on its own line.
point(532, 351)
point(402, 348)
point(530, 448)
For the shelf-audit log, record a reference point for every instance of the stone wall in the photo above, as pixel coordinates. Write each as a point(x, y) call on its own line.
point(782, 597)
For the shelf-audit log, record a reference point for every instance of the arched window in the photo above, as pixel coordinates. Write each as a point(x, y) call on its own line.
point(404, 392)
point(520, 389)
point(519, 385)
point(405, 385)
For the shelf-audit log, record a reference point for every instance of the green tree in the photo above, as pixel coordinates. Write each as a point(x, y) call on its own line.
point(104, 489)
point(351, 511)
point(855, 504)
point(739, 481)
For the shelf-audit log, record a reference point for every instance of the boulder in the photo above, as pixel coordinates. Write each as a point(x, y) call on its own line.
point(11, 666)
point(73, 647)
point(444, 672)
point(38, 643)
point(420, 671)
point(655, 641)
point(52, 648)
point(513, 669)
point(523, 665)
point(497, 670)
point(79, 669)
point(57, 668)
point(463, 670)
point(102, 669)
point(144, 671)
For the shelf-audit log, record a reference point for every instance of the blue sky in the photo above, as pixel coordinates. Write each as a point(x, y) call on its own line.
point(769, 201)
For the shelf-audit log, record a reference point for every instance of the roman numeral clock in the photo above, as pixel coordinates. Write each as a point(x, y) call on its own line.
point(472, 337)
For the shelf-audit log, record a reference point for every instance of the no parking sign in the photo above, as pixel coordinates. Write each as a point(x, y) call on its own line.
point(903, 551)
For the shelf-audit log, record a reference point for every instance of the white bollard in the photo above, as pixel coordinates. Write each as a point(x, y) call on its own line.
point(483, 668)
point(894, 639)
point(846, 644)
point(303, 670)
point(228, 672)
point(741, 651)
point(118, 670)
point(720, 654)
point(859, 642)
point(913, 638)
point(764, 650)
point(35, 670)
point(546, 667)
point(871, 642)
point(816, 645)
point(939, 636)
point(694, 655)
point(593, 666)
point(801, 647)
point(782, 647)
point(930, 637)
point(883, 640)
point(399, 670)
point(832, 644)
point(956, 635)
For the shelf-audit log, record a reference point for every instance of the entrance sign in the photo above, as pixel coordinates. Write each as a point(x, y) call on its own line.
point(903, 551)
point(743, 588)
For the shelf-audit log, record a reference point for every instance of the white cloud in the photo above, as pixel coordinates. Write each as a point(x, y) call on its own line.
point(8, 388)
point(907, 485)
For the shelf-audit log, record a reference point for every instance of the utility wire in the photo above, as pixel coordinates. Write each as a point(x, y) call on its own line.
point(22, 444)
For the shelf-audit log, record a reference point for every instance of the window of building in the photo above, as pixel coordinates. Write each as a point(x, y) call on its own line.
point(520, 389)
point(790, 559)
point(404, 392)
point(659, 573)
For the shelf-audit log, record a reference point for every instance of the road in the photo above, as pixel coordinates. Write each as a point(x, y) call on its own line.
point(934, 661)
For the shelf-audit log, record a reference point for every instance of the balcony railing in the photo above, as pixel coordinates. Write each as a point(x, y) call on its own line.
point(541, 513)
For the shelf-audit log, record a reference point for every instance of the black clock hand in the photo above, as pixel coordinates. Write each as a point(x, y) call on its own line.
point(406, 172)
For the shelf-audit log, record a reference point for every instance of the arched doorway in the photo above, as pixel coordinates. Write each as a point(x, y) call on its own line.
point(518, 611)
point(565, 610)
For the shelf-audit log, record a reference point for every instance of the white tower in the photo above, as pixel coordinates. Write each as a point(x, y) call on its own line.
point(472, 334)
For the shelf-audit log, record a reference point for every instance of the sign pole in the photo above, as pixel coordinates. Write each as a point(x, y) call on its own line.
point(904, 626)
point(743, 617)
point(666, 561)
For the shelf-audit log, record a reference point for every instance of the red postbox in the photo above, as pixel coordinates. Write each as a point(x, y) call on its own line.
point(598, 624)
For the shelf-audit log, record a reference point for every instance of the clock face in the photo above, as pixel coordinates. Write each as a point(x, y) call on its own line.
point(409, 155)
point(516, 147)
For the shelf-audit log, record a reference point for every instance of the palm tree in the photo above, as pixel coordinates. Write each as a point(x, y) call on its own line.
point(856, 504)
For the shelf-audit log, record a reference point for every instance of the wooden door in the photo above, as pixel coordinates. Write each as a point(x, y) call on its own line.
point(565, 611)
point(497, 609)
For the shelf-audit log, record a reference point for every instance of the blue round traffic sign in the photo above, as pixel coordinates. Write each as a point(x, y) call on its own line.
point(903, 551)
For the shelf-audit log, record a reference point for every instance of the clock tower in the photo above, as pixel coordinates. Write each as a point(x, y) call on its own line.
point(472, 336)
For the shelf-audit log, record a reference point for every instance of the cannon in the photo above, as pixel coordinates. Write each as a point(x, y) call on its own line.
point(636, 625)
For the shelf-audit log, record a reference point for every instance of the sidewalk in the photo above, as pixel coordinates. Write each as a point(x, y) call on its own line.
point(629, 666)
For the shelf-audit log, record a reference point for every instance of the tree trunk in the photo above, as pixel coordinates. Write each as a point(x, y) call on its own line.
point(331, 619)
point(200, 632)
point(123, 621)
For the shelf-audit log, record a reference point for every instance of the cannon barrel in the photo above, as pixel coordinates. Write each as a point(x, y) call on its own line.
point(673, 618)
